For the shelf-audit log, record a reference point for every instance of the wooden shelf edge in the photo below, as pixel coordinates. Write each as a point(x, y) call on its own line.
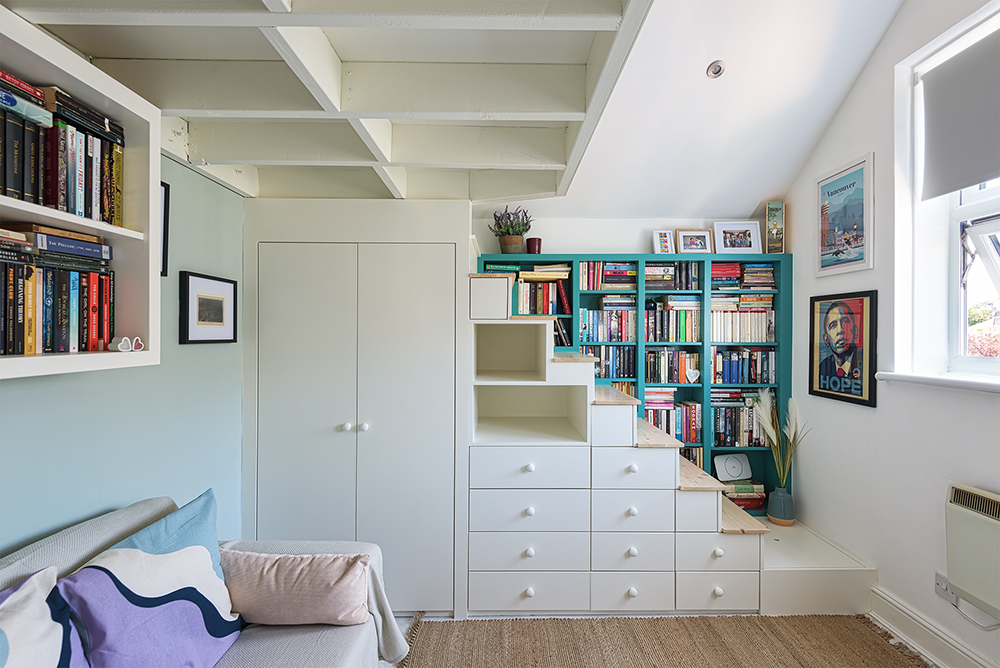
point(737, 520)
point(573, 357)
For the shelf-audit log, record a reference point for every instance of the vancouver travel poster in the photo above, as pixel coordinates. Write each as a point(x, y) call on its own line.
point(842, 233)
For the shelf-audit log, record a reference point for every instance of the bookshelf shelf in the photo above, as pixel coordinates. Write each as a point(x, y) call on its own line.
point(33, 56)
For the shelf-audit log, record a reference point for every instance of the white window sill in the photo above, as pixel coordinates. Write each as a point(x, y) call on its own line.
point(950, 380)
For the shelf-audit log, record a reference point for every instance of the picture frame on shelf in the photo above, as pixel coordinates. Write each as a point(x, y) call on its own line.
point(774, 227)
point(164, 225)
point(207, 309)
point(663, 241)
point(694, 241)
point(842, 340)
point(737, 236)
point(844, 226)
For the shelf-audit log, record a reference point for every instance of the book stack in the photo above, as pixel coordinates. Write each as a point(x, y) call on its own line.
point(753, 365)
point(747, 493)
point(659, 407)
point(500, 268)
point(677, 319)
point(618, 276)
point(612, 361)
point(725, 275)
point(661, 276)
point(58, 291)
point(758, 276)
point(666, 365)
point(60, 152)
point(682, 420)
point(734, 421)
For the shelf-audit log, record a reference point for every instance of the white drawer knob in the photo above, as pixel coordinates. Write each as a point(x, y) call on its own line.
point(530, 468)
point(633, 592)
point(632, 552)
point(529, 592)
point(633, 468)
point(719, 552)
point(718, 592)
point(363, 426)
point(633, 511)
point(530, 552)
point(348, 426)
point(529, 511)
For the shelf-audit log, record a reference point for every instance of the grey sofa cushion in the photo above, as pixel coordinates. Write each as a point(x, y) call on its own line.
point(313, 646)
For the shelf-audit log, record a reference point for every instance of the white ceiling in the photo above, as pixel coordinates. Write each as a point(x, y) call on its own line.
point(494, 101)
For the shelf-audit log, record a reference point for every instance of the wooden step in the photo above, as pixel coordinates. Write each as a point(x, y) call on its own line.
point(648, 436)
point(693, 479)
point(737, 520)
point(605, 395)
point(571, 356)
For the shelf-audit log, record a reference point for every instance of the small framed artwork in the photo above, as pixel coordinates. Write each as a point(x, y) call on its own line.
point(842, 340)
point(774, 227)
point(207, 309)
point(694, 241)
point(844, 208)
point(663, 241)
point(164, 225)
point(737, 236)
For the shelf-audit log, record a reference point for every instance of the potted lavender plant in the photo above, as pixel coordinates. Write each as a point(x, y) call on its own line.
point(509, 228)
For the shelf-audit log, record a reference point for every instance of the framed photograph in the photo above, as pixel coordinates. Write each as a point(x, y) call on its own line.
point(208, 309)
point(774, 227)
point(663, 241)
point(844, 209)
point(737, 236)
point(694, 241)
point(842, 342)
point(164, 225)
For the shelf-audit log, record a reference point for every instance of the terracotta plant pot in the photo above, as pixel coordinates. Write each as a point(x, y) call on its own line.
point(511, 244)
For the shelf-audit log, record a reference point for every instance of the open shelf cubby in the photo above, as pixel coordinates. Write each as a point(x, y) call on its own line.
point(537, 414)
point(511, 351)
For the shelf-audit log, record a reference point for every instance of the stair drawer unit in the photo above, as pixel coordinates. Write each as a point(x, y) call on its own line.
point(718, 552)
point(631, 592)
point(634, 468)
point(529, 591)
point(632, 551)
point(699, 511)
point(633, 510)
point(504, 467)
point(718, 590)
point(529, 551)
point(530, 510)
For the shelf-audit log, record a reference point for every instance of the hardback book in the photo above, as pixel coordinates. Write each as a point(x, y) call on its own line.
point(27, 229)
point(58, 101)
point(79, 171)
point(25, 88)
point(10, 310)
point(84, 310)
point(19, 309)
point(72, 246)
point(48, 304)
point(563, 335)
point(93, 318)
point(29, 310)
point(60, 312)
point(55, 166)
point(74, 311)
point(13, 157)
point(563, 298)
point(70, 168)
point(30, 166)
point(24, 109)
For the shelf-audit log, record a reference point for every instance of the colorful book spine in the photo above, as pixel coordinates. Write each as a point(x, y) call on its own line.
point(74, 311)
point(72, 246)
point(30, 321)
point(25, 109)
point(80, 172)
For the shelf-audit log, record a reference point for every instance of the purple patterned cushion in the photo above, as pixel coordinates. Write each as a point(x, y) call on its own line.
point(36, 628)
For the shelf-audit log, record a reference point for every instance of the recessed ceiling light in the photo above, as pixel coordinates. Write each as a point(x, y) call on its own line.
point(715, 69)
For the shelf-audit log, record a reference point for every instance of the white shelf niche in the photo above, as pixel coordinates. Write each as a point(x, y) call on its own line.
point(532, 414)
point(512, 351)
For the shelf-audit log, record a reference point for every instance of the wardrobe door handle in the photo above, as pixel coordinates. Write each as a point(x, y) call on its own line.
point(363, 426)
point(348, 426)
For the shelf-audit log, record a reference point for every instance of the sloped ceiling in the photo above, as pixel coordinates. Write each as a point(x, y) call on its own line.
point(469, 99)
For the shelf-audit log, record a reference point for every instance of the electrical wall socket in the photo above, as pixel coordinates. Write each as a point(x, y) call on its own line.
point(944, 590)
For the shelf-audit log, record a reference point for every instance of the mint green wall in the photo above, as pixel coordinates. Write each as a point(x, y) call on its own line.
point(76, 445)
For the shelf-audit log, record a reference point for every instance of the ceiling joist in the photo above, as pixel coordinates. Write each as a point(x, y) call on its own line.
point(310, 56)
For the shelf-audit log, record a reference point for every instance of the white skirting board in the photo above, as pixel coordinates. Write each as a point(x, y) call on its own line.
point(922, 636)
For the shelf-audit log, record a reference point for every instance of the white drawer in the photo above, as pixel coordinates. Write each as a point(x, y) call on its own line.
point(517, 467)
point(529, 551)
point(699, 511)
point(631, 592)
point(736, 552)
point(632, 552)
point(718, 591)
point(613, 425)
point(632, 510)
point(529, 510)
point(635, 468)
point(529, 591)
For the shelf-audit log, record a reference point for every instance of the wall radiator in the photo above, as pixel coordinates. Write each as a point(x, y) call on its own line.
point(972, 526)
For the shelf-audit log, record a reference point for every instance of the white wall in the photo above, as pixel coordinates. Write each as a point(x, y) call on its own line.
point(875, 479)
point(586, 235)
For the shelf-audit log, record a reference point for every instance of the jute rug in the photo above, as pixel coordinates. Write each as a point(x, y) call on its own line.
point(813, 641)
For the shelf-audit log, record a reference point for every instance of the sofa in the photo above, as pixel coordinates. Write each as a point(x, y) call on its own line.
point(374, 643)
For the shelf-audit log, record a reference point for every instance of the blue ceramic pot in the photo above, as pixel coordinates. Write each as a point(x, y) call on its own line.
point(781, 507)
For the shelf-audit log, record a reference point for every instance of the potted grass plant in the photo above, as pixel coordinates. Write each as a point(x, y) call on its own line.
point(783, 441)
point(509, 228)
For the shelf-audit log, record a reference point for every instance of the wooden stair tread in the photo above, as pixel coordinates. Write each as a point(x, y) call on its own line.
point(605, 395)
point(648, 436)
point(737, 520)
point(693, 479)
point(532, 317)
point(494, 275)
point(572, 356)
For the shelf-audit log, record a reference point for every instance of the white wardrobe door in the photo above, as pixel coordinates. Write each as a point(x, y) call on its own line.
point(406, 392)
point(307, 391)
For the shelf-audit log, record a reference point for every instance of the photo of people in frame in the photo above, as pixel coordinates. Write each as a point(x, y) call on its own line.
point(842, 347)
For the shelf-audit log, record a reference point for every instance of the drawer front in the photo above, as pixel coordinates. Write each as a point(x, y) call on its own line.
point(489, 298)
point(613, 425)
point(699, 511)
point(529, 510)
point(632, 552)
point(718, 591)
point(529, 551)
point(529, 591)
point(635, 468)
point(633, 510)
point(517, 467)
point(631, 592)
point(718, 552)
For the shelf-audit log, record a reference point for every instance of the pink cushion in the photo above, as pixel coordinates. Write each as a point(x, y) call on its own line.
point(298, 589)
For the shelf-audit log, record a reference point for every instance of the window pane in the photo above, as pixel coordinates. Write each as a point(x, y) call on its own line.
point(982, 317)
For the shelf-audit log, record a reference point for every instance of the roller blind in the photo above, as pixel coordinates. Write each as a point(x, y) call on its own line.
point(962, 119)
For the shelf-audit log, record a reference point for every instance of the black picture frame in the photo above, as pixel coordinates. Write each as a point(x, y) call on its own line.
point(842, 351)
point(164, 225)
point(207, 308)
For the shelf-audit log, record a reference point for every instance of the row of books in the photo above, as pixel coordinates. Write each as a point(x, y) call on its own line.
point(746, 366)
point(613, 361)
point(626, 386)
point(683, 421)
point(675, 319)
point(734, 422)
point(666, 365)
point(743, 326)
point(681, 275)
point(599, 275)
point(742, 276)
point(542, 298)
point(58, 152)
point(693, 455)
point(612, 325)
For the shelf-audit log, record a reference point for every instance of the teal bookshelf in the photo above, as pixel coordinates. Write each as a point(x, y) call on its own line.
point(629, 352)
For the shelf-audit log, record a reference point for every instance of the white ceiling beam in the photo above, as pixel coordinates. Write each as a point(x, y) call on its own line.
point(500, 185)
point(319, 182)
point(572, 15)
point(437, 184)
point(314, 61)
point(298, 143)
point(479, 147)
point(279, 6)
point(394, 179)
point(376, 133)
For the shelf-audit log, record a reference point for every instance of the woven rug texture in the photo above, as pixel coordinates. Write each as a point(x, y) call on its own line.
point(813, 641)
